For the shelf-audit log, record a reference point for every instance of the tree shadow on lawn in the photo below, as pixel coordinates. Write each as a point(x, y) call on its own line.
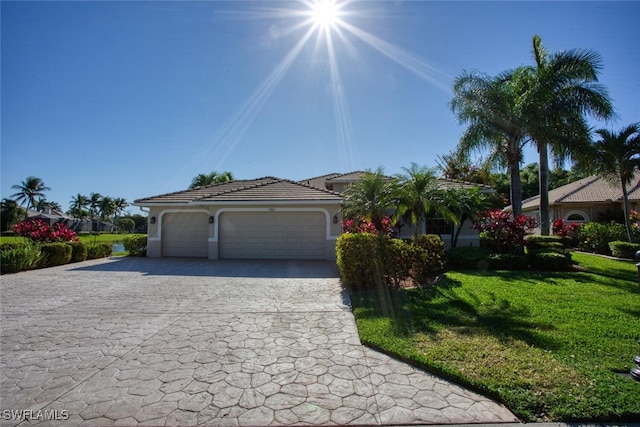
point(431, 309)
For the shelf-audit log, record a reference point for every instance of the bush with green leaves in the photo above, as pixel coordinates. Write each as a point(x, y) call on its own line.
point(544, 242)
point(468, 258)
point(507, 262)
point(57, 253)
point(136, 245)
point(622, 249)
point(78, 251)
point(429, 258)
point(595, 236)
point(20, 258)
point(99, 250)
point(550, 261)
point(359, 260)
point(7, 246)
point(126, 225)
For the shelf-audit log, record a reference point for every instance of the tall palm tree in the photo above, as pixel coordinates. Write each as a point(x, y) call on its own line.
point(419, 195)
point(465, 203)
point(94, 204)
point(120, 204)
point(106, 208)
point(562, 89)
point(616, 157)
point(10, 212)
point(492, 108)
point(214, 177)
point(30, 189)
point(78, 205)
point(371, 197)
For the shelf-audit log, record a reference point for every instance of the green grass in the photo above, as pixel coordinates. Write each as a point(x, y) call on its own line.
point(548, 345)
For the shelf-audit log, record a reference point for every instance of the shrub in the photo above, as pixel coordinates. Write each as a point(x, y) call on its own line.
point(98, 250)
point(127, 225)
point(398, 259)
point(56, 254)
point(595, 236)
point(364, 225)
point(429, 257)
point(78, 251)
point(7, 246)
point(136, 245)
point(359, 261)
point(624, 249)
point(20, 258)
point(468, 258)
point(39, 231)
point(508, 262)
point(550, 261)
point(504, 230)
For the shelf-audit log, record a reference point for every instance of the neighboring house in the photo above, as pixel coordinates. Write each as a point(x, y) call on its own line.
point(52, 216)
point(588, 199)
point(264, 218)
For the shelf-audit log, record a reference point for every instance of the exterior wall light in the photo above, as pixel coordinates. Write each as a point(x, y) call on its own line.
point(211, 220)
point(153, 220)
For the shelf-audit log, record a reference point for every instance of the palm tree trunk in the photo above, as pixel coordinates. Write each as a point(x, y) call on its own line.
point(516, 189)
point(625, 205)
point(545, 226)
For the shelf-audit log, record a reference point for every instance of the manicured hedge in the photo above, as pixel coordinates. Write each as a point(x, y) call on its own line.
point(468, 258)
point(56, 254)
point(136, 245)
point(368, 260)
point(78, 251)
point(99, 250)
point(508, 262)
point(622, 249)
point(550, 261)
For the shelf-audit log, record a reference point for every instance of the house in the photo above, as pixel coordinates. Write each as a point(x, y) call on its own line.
point(53, 216)
point(588, 199)
point(264, 218)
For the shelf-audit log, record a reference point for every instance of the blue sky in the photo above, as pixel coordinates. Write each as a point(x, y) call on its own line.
point(133, 99)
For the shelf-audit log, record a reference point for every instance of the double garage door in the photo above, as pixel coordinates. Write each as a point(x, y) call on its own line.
point(247, 235)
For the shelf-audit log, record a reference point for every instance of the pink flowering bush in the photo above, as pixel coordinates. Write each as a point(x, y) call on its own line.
point(363, 225)
point(562, 229)
point(39, 231)
point(505, 232)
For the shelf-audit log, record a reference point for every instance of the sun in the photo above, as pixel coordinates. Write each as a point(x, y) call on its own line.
point(325, 13)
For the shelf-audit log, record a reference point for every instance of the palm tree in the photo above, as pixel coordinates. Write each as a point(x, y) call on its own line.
point(10, 211)
point(465, 203)
point(214, 177)
point(77, 208)
point(419, 195)
point(120, 204)
point(94, 203)
point(106, 208)
point(370, 197)
point(562, 89)
point(492, 108)
point(30, 189)
point(616, 157)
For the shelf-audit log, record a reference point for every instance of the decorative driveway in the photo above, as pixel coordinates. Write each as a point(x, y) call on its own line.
point(141, 341)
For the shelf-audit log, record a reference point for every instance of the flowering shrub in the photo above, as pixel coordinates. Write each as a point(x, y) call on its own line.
point(363, 225)
point(39, 231)
point(562, 229)
point(506, 232)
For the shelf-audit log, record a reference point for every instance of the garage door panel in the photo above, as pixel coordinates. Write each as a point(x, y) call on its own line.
point(272, 235)
point(185, 235)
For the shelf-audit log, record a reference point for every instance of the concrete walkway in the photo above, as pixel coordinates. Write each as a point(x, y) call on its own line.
point(128, 341)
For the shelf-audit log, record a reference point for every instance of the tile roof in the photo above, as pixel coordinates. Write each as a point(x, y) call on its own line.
point(446, 184)
point(261, 189)
point(592, 189)
point(319, 181)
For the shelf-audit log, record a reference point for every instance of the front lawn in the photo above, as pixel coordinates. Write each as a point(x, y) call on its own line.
point(548, 345)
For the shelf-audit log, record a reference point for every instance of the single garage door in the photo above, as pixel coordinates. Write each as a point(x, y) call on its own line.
point(272, 235)
point(185, 235)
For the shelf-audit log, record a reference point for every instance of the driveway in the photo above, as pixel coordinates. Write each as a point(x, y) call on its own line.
point(141, 341)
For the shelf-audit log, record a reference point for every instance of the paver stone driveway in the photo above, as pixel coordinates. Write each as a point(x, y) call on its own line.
point(140, 341)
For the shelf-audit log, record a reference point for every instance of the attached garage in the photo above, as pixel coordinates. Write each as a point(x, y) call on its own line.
point(272, 235)
point(185, 234)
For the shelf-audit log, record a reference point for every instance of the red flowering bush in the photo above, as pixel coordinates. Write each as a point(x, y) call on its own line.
point(562, 229)
point(506, 233)
point(39, 231)
point(363, 225)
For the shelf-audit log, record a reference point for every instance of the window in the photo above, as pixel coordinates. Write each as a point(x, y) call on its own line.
point(576, 216)
point(437, 225)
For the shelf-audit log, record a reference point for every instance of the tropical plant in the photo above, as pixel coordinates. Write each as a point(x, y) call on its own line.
point(106, 208)
point(505, 231)
point(465, 204)
point(10, 213)
point(616, 157)
point(214, 177)
point(29, 190)
point(94, 204)
point(78, 205)
point(37, 230)
point(371, 197)
point(120, 204)
point(42, 205)
point(419, 195)
point(561, 89)
point(492, 108)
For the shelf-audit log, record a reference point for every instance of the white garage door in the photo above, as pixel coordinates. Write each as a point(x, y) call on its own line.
point(185, 235)
point(272, 235)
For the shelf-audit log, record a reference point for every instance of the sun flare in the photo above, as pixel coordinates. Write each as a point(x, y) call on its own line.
point(325, 13)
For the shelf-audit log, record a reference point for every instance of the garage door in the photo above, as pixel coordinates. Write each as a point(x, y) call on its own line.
point(185, 235)
point(272, 235)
